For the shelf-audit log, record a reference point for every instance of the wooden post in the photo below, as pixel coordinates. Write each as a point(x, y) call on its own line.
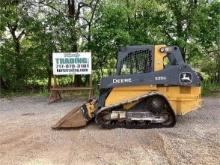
point(90, 85)
point(54, 95)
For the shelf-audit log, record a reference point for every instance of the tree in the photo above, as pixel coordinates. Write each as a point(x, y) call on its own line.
point(30, 31)
point(13, 21)
point(75, 10)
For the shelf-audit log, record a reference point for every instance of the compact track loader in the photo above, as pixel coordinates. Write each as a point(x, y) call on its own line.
point(152, 86)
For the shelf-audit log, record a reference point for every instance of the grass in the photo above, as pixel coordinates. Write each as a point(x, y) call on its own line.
point(44, 92)
point(10, 94)
point(208, 89)
point(211, 89)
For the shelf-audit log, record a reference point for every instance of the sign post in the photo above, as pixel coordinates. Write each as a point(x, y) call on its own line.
point(78, 63)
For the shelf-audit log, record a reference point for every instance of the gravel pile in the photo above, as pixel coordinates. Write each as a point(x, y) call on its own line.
point(26, 137)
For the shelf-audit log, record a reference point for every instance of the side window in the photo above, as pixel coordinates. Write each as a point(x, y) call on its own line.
point(166, 61)
point(125, 69)
point(137, 62)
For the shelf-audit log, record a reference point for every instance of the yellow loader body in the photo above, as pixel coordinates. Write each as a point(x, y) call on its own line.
point(182, 99)
point(152, 85)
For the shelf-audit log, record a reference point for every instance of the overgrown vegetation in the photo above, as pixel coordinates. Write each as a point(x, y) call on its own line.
point(211, 89)
point(31, 30)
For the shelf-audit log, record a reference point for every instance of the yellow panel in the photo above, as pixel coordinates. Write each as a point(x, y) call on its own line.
point(158, 57)
point(120, 94)
point(182, 99)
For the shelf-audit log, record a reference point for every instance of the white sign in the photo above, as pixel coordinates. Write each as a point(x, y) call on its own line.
point(72, 63)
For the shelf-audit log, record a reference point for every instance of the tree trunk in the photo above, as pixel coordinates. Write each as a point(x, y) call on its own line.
point(218, 55)
point(218, 67)
point(49, 81)
point(19, 73)
point(49, 72)
point(73, 16)
point(2, 84)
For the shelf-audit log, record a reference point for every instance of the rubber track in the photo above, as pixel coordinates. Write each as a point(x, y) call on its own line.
point(136, 125)
point(133, 124)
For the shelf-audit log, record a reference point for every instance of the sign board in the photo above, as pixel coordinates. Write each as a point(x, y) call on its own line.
point(72, 63)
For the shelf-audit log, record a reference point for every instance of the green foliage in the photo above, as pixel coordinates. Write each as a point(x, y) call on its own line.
point(211, 89)
point(103, 26)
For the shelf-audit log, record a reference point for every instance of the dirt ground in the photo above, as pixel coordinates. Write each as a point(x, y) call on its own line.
point(26, 137)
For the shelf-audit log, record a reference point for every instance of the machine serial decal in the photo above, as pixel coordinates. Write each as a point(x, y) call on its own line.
point(119, 81)
point(160, 78)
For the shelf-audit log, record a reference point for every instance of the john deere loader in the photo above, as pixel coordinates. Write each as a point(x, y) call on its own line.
point(151, 87)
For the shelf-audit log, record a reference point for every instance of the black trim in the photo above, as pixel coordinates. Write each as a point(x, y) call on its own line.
point(103, 94)
point(125, 51)
point(168, 76)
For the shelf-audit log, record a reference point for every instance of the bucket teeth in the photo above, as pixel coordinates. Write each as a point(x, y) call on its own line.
point(74, 119)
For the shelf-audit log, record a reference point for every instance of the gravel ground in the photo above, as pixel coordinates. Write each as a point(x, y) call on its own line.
point(26, 137)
